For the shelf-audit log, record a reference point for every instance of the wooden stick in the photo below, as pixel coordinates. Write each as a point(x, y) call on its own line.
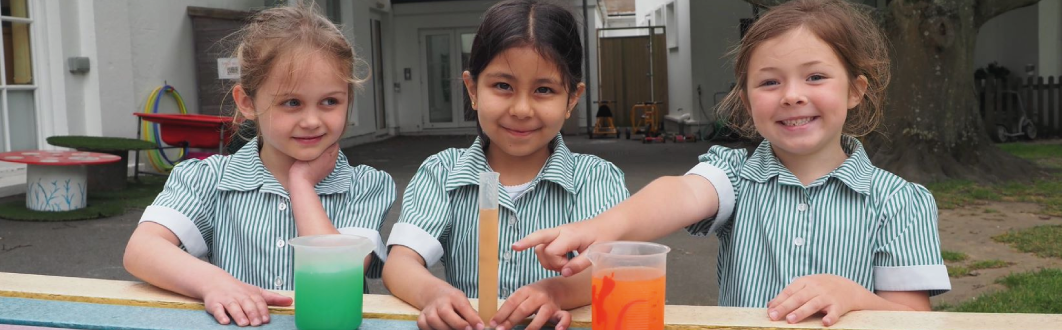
point(488, 264)
point(488, 245)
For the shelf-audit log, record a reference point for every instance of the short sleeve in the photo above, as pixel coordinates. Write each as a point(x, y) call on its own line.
point(602, 188)
point(185, 205)
point(907, 256)
point(425, 214)
point(720, 167)
point(371, 195)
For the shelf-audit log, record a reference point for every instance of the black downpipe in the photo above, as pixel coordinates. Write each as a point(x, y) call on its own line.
point(586, 73)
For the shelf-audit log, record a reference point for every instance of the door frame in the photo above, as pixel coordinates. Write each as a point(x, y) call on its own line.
point(382, 98)
point(457, 89)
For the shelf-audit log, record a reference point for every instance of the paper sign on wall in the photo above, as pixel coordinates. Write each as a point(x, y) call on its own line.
point(228, 68)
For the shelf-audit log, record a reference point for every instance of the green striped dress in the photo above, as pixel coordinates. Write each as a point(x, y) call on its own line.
point(440, 212)
point(859, 222)
point(233, 212)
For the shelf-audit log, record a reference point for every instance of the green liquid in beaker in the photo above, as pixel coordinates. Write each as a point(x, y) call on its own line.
point(328, 300)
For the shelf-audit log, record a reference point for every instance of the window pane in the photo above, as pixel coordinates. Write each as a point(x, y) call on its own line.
point(3, 130)
point(23, 116)
point(331, 9)
point(14, 8)
point(466, 53)
point(440, 107)
point(17, 61)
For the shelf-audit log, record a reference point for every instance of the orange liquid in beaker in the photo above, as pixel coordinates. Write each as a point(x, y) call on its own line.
point(628, 298)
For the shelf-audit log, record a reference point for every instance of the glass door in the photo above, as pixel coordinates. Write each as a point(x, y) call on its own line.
point(378, 72)
point(444, 55)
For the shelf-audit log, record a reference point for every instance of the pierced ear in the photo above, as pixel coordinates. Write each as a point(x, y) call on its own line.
point(573, 99)
point(856, 94)
point(470, 86)
point(244, 102)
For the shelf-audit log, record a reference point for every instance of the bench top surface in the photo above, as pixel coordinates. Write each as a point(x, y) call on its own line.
point(103, 297)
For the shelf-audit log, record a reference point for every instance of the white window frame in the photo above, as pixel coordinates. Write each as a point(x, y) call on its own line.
point(671, 21)
point(49, 107)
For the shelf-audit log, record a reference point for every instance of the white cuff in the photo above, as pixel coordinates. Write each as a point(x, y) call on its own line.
point(413, 237)
point(372, 235)
point(912, 278)
point(723, 188)
point(180, 225)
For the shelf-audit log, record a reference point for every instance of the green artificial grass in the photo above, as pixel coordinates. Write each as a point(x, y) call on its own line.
point(100, 143)
point(101, 204)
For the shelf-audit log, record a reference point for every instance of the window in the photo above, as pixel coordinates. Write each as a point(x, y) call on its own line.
point(18, 89)
point(671, 26)
point(332, 11)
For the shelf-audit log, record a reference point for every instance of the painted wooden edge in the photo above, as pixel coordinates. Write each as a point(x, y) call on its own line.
point(391, 308)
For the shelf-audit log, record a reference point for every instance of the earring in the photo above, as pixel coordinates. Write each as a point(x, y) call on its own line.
point(473, 103)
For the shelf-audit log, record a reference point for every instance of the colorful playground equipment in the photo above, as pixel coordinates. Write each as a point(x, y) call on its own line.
point(180, 131)
point(645, 121)
point(605, 126)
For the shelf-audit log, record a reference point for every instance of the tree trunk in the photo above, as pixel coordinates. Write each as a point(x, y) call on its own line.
point(932, 129)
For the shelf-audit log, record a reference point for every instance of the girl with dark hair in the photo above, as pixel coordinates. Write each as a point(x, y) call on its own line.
point(523, 80)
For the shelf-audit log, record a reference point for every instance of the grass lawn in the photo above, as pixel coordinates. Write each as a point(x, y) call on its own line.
point(952, 256)
point(1032, 292)
point(1044, 241)
point(1046, 192)
point(966, 270)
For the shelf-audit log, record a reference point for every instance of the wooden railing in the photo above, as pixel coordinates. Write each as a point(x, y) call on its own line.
point(1002, 102)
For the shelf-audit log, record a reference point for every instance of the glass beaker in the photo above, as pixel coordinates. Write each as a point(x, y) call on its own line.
point(628, 285)
point(329, 275)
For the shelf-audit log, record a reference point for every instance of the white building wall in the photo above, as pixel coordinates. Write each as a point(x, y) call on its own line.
point(355, 20)
point(700, 59)
point(1012, 39)
point(133, 47)
point(716, 31)
point(618, 22)
point(591, 74)
point(410, 19)
point(72, 28)
point(114, 68)
point(644, 9)
point(1050, 21)
point(654, 13)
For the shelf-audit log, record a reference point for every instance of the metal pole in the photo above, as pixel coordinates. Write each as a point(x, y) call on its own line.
point(136, 168)
point(652, 82)
point(221, 140)
point(586, 55)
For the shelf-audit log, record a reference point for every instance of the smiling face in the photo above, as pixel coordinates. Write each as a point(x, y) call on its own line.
point(521, 102)
point(299, 113)
point(799, 93)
